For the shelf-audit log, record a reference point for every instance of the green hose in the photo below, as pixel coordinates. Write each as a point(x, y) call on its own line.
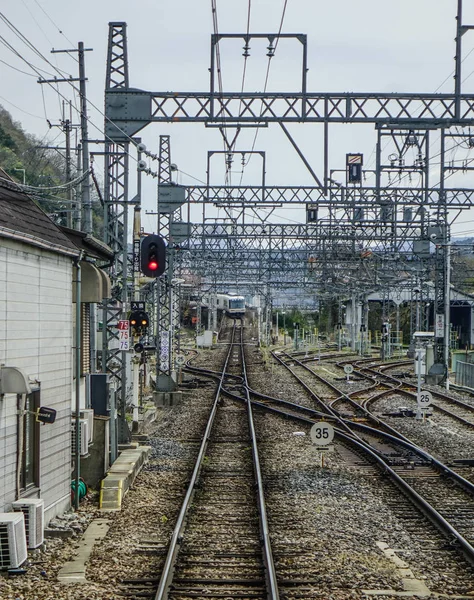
point(82, 489)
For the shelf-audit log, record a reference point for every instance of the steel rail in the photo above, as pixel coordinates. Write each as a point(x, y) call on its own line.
point(342, 396)
point(412, 395)
point(270, 573)
point(352, 438)
point(391, 435)
point(413, 496)
point(175, 542)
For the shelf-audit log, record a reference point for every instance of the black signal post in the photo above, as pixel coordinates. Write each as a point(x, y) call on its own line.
point(153, 256)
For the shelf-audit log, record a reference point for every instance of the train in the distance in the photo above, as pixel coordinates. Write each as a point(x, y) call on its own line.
point(231, 304)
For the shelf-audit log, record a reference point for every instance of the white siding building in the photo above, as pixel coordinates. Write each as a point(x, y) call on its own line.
point(36, 323)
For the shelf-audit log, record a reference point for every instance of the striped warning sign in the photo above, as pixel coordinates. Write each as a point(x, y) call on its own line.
point(354, 159)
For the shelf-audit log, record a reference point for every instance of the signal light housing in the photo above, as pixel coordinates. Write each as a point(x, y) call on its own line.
point(153, 256)
point(139, 321)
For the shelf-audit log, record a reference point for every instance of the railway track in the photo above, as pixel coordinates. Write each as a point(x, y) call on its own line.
point(223, 511)
point(443, 495)
point(371, 459)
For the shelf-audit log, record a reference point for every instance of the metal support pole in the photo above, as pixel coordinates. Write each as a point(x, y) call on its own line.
point(418, 353)
point(67, 132)
point(77, 352)
point(77, 217)
point(447, 309)
point(86, 187)
point(458, 61)
point(353, 322)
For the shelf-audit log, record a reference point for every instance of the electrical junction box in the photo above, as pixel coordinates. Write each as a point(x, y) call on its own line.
point(180, 231)
point(170, 197)
point(421, 248)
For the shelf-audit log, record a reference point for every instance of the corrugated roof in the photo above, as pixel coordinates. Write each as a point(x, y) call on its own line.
point(21, 218)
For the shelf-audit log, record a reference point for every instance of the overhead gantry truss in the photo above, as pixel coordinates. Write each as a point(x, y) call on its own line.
point(372, 235)
point(130, 110)
point(455, 198)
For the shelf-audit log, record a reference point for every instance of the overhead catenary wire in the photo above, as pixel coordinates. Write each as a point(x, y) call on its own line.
point(215, 24)
point(265, 87)
point(71, 83)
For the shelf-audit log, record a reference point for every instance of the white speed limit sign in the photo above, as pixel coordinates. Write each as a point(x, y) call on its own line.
point(425, 399)
point(180, 359)
point(322, 433)
point(348, 369)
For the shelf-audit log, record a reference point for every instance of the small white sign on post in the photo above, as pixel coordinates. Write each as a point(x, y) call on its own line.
point(425, 399)
point(348, 369)
point(180, 360)
point(322, 434)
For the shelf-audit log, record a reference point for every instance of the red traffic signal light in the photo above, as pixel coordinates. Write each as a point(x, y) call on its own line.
point(153, 256)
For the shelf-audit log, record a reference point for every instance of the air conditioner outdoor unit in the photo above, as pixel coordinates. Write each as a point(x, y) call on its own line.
point(88, 413)
point(83, 437)
point(13, 552)
point(33, 510)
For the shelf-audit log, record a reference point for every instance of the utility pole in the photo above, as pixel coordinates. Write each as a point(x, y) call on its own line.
point(67, 131)
point(66, 125)
point(85, 187)
point(76, 217)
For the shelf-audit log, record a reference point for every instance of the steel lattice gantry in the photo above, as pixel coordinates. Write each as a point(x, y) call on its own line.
point(384, 229)
point(114, 359)
point(455, 198)
point(167, 299)
point(132, 110)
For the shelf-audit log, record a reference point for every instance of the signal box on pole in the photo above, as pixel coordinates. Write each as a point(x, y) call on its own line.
point(153, 256)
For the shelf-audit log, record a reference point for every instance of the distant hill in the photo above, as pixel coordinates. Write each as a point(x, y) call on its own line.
point(24, 159)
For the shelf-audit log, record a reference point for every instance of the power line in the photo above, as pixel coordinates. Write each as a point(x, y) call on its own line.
point(16, 69)
point(20, 109)
point(29, 45)
point(62, 186)
point(265, 87)
point(12, 49)
point(36, 22)
point(55, 25)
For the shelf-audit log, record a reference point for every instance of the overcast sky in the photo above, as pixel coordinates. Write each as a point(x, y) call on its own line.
point(368, 45)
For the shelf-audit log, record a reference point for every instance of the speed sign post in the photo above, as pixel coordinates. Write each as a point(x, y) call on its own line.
point(424, 400)
point(348, 369)
point(180, 360)
point(322, 434)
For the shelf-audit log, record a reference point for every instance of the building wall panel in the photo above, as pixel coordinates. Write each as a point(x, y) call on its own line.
point(36, 335)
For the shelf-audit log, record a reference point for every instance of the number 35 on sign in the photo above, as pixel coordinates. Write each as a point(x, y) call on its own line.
point(322, 433)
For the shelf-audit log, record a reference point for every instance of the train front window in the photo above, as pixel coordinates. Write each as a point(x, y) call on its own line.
point(237, 303)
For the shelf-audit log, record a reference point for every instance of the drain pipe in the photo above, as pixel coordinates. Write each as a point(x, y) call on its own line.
point(21, 404)
point(77, 352)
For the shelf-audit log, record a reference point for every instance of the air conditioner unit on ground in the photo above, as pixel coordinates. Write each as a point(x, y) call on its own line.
point(13, 552)
point(88, 413)
point(83, 437)
point(33, 510)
